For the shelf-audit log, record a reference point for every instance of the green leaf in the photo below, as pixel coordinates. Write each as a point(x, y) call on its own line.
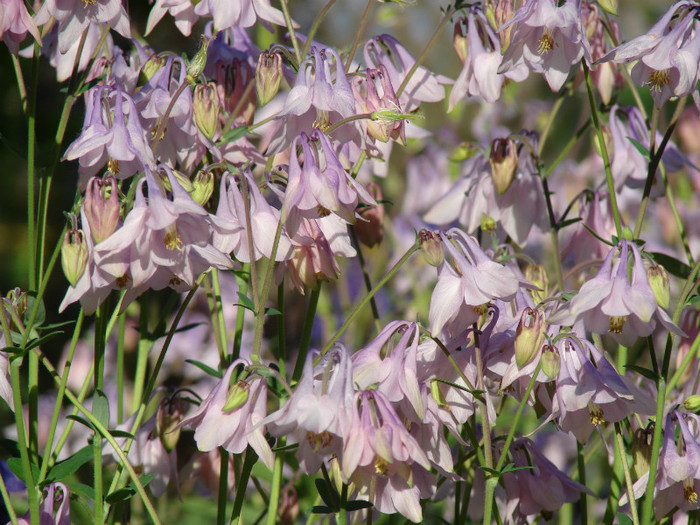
point(121, 434)
point(83, 490)
point(649, 374)
point(120, 495)
point(569, 222)
point(65, 468)
point(41, 340)
point(641, 148)
point(246, 302)
point(40, 314)
point(357, 504)
point(328, 494)
point(272, 311)
point(15, 465)
point(80, 420)
point(205, 368)
point(624, 519)
point(320, 509)
point(672, 265)
point(233, 135)
point(100, 407)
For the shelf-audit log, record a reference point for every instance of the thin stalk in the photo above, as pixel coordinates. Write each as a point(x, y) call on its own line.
point(647, 504)
point(98, 500)
point(626, 469)
point(21, 87)
point(262, 299)
point(655, 159)
point(554, 232)
point(242, 483)
point(31, 167)
point(358, 35)
point(223, 487)
point(676, 216)
point(347, 120)
point(275, 487)
point(8, 502)
point(424, 54)
point(368, 297)
point(211, 301)
point(603, 150)
point(567, 148)
point(160, 128)
point(491, 482)
point(120, 368)
point(245, 194)
point(548, 126)
point(365, 276)
point(686, 361)
point(143, 349)
point(281, 331)
point(306, 332)
point(240, 316)
point(59, 396)
point(219, 311)
point(290, 28)
point(583, 499)
point(314, 27)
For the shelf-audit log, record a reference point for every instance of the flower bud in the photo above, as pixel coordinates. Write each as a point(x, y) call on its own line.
point(233, 81)
point(607, 138)
point(436, 394)
point(202, 187)
point(170, 414)
point(464, 151)
point(537, 275)
point(658, 280)
point(289, 507)
point(692, 403)
point(370, 231)
point(503, 12)
point(641, 451)
point(529, 336)
point(609, 5)
point(101, 207)
point(488, 224)
point(268, 76)
point(627, 234)
point(551, 361)
point(431, 246)
point(504, 162)
point(74, 255)
point(196, 65)
point(459, 39)
point(237, 396)
point(150, 68)
point(206, 108)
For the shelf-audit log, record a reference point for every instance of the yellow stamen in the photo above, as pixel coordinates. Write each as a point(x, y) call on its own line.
point(380, 466)
point(546, 43)
point(596, 412)
point(172, 240)
point(616, 323)
point(658, 79)
point(689, 491)
point(113, 166)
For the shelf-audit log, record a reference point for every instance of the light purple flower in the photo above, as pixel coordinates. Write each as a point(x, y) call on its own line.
point(668, 54)
point(15, 23)
point(319, 412)
point(231, 415)
point(55, 509)
point(596, 215)
point(467, 280)
point(423, 86)
point(181, 10)
point(612, 303)
point(74, 16)
point(111, 134)
point(243, 13)
point(548, 38)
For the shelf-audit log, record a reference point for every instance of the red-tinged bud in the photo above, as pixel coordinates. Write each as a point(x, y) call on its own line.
point(370, 229)
point(206, 109)
point(659, 282)
point(268, 76)
point(529, 336)
point(551, 361)
point(502, 13)
point(504, 163)
point(101, 207)
point(459, 38)
point(170, 413)
point(537, 275)
point(202, 187)
point(235, 89)
point(289, 507)
point(74, 255)
point(432, 248)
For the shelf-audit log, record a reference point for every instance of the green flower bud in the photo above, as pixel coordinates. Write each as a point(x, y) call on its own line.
point(170, 413)
point(150, 68)
point(608, 5)
point(237, 396)
point(459, 38)
point(504, 163)
point(431, 246)
point(529, 336)
point(437, 394)
point(196, 65)
point(537, 275)
point(488, 224)
point(692, 403)
point(202, 187)
point(268, 76)
point(206, 109)
point(74, 255)
point(641, 451)
point(659, 282)
point(551, 361)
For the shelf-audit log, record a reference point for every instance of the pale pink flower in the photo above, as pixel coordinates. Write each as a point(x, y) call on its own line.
point(181, 10)
point(243, 13)
point(15, 23)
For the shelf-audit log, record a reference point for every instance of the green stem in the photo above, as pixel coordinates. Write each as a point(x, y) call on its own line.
point(290, 28)
point(306, 332)
point(223, 487)
point(276, 485)
point(564, 152)
point(368, 297)
point(281, 332)
point(676, 216)
point(8, 502)
point(31, 168)
point(647, 504)
point(692, 353)
point(603, 150)
point(98, 500)
point(424, 54)
point(242, 483)
point(548, 126)
point(352, 118)
point(343, 513)
point(620, 446)
point(314, 28)
point(21, 87)
point(365, 276)
point(240, 316)
point(554, 232)
point(358, 35)
point(120, 368)
point(211, 301)
point(583, 499)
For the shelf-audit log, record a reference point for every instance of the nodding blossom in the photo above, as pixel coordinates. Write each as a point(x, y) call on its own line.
point(617, 301)
point(240, 13)
point(467, 281)
point(15, 23)
point(548, 38)
point(668, 54)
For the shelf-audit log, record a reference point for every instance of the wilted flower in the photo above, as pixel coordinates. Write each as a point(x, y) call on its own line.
point(548, 38)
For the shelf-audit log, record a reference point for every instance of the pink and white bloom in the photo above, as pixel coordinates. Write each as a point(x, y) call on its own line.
point(548, 38)
point(467, 280)
point(15, 23)
point(612, 303)
point(231, 415)
point(181, 10)
point(240, 13)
